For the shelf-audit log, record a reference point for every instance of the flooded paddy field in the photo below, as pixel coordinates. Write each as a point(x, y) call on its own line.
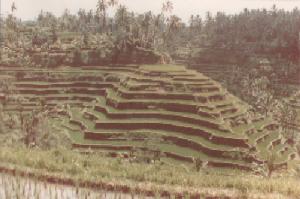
point(26, 188)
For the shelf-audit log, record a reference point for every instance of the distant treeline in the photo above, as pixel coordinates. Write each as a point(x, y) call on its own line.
point(272, 32)
point(267, 32)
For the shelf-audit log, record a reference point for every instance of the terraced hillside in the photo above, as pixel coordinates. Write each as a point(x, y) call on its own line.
point(294, 101)
point(167, 110)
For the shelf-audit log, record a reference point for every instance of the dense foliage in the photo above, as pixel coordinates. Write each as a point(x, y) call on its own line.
point(265, 32)
point(272, 33)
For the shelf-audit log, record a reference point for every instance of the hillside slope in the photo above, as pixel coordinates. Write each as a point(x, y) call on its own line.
point(166, 111)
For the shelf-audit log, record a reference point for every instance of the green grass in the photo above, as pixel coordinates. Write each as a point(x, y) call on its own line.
point(77, 137)
point(113, 95)
point(172, 75)
point(198, 139)
point(163, 68)
point(102, 117)
point(254, 125)
point(264, 151)
point(214, 132)
point(163, 147)
point(101, 102)
point(173, 178)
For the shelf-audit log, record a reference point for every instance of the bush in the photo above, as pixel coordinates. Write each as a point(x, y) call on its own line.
point(112, 78)
point(200, 164)
point(267, 168)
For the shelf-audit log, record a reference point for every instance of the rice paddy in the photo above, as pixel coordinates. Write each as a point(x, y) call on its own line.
point(188, 118)
point(168, 114)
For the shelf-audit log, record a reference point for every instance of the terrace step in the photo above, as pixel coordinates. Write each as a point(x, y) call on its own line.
point(63, 97)
point(165, 115)
point(57, 91)
point(174, 105)
point(211, 161)
point(170, 117)
point(230, 153)
point(141, 101)
point(93, 127)
point(183, 142)
point(161, 125)
point(59, 85)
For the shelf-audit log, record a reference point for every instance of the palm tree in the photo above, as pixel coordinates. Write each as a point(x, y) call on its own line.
point(65, 20)
point(113, 3)
point(192, 22)
point(121, 16)
point(101, 11)
point(13, 7)
point(198, 23)
point(82, 16)
point(174, 24)
point(146, 25)
point(167, 6)
point(157, 21)
point(102, 7)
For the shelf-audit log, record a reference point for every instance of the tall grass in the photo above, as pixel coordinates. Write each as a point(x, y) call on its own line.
point(63, 163)
point(24, 188)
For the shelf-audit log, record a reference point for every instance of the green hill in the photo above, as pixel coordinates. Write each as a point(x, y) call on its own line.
point(162, 110)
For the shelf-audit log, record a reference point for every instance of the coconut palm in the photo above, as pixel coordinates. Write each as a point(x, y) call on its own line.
point(13, 7)
point(113, 3)
point(101, 11)
point(146, 25)
point(167, 7)
point(121, 17)
point(157, 21)
point(174, 24)
point(102, 7)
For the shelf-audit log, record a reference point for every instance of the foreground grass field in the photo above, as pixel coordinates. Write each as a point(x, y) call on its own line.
point(95, 170)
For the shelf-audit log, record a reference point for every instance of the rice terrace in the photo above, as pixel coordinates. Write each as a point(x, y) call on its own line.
point(111, 102)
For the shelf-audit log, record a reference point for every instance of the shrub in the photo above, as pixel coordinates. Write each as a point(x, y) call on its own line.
point(267, 168)
point(112, 78)
point(200, 164)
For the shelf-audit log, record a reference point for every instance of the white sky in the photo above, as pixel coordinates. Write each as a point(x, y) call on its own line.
point(29, 9)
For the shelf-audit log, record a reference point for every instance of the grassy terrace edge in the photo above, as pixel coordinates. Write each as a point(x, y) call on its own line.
point(97, 171)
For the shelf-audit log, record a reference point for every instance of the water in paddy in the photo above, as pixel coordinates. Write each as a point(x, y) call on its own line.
point(16, 187)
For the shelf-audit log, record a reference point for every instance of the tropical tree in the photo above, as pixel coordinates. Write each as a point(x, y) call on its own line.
point(173, 26)
point(102, 7)
point(122, 18)
point(258, 90)
point(113, 3)
point(13, 7)
point(101, 10)
point(268, 167)
point(38, 131)
point(146, 23)
point(265, 101)
point(46, 19)
point(11, 32)
point(286, 116)
point(158, 22)
point(167, 7)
